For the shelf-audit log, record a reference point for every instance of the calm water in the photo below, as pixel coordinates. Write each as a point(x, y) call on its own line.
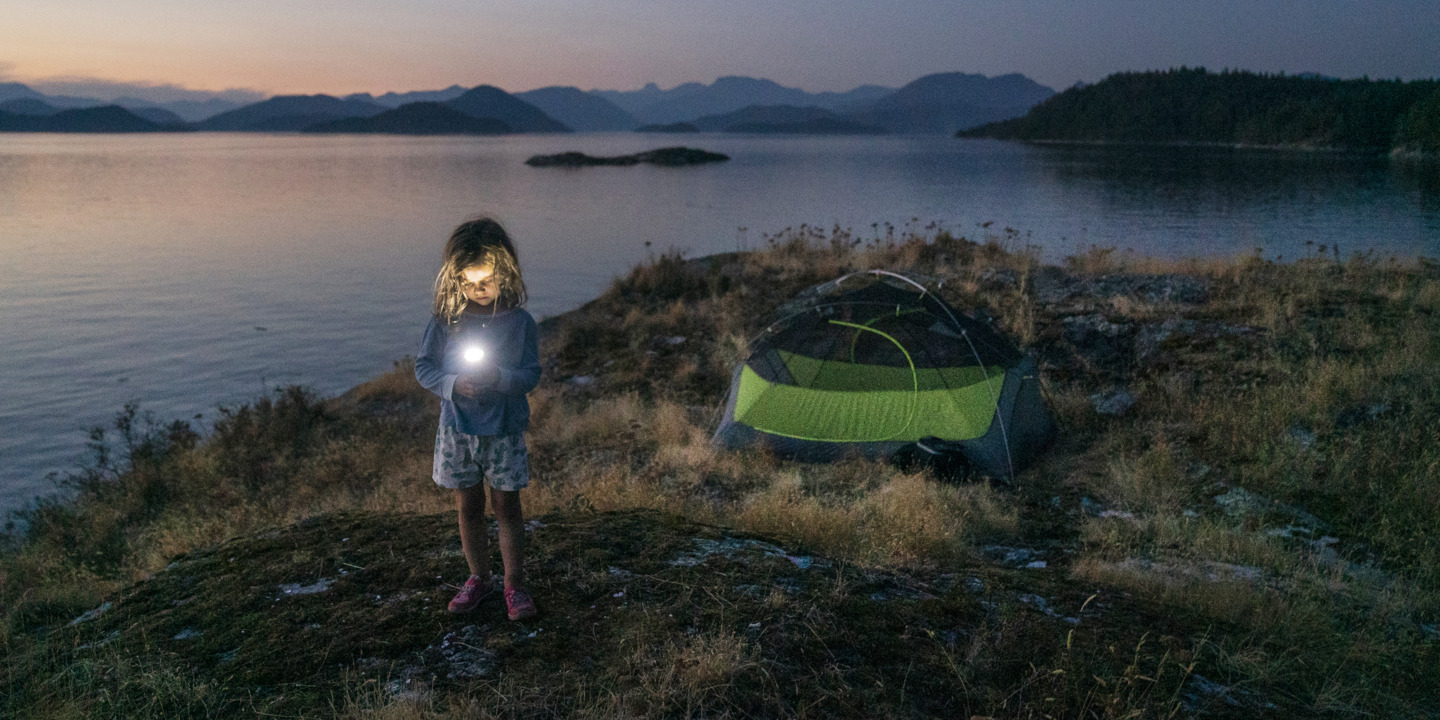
point(188, 271)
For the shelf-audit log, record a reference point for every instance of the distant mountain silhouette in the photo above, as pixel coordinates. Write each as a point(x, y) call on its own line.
point(846, 102)
point(16, 91)
point(183, 111)
point(72, 102)
point(23, 122)
point(648, 103)
point(753, 114)
point(654, 106)
point(947, 102)
point(157, 115)
point(395, 100)
point(943, 102)
point(28, 106)
point(189, 104)
point(106, 119)
point(581, 111)
point(197, 110)
point(813, 126)
point(420, 118)
point(680, 127)
point(488, 101)
point(20, 122)
point(785, 119)
point(289, 112)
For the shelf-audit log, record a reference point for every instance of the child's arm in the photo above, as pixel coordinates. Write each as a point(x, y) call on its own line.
point(430, 362)
point(526, 375)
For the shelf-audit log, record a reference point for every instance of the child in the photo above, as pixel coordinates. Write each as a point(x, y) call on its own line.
point(481, 356)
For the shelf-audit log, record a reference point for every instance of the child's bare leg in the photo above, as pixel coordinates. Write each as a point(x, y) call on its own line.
point(474, 539)
point(512, 535)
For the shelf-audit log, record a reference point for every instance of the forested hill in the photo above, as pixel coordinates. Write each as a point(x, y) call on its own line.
point(1196, 106)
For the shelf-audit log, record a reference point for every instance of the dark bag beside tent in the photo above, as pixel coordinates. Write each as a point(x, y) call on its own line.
point(874, 363)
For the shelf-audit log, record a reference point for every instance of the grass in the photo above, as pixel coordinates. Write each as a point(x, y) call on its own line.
point(1301, 394)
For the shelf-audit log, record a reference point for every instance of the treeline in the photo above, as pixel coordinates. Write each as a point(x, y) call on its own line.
point(1193, 105)
point(1420, 128)
point(107, 119)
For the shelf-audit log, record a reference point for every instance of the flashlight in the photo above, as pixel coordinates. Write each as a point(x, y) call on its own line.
point(473, 355)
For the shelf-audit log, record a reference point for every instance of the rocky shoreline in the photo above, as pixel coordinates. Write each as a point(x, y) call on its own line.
point(1245, 466)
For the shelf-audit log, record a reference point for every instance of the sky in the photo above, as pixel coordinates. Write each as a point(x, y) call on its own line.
point(344, 46)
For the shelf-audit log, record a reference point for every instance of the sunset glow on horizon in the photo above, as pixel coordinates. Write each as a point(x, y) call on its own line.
point(372, 46)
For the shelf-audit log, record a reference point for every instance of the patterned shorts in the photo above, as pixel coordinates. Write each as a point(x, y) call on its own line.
point(462, 460)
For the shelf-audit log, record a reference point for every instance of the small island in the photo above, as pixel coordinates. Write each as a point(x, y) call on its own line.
point(668, 157)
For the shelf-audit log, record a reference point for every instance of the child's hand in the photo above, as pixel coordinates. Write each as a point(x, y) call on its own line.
point(484, 378)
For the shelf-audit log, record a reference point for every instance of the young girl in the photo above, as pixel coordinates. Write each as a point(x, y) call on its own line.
point(480, 355)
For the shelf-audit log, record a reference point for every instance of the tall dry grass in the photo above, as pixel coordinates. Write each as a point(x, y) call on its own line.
point(1344, 350)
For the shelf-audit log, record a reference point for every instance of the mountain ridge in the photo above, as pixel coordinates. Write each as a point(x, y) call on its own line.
point(417, 118)
point(395, 100)
point(488, 101)
point(941, 102)
point(103, 119)
point(581, 111)
point(188, 110)
point(785, 119)
point(653, 106)
point(947, 102)
point(289, 112)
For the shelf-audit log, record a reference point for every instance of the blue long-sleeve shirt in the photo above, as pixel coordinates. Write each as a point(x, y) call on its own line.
point(510, 340)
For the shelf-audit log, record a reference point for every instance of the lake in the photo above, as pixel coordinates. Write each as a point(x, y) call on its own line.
point(188, 271)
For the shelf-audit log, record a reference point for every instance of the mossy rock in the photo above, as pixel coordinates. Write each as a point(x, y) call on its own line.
point(665, 616)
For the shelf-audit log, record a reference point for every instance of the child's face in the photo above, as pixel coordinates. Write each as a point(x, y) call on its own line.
point(480, 285)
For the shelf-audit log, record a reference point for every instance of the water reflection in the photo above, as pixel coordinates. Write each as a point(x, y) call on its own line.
point(152, 259)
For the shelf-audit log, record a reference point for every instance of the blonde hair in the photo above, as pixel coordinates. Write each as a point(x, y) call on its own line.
point(481, 242)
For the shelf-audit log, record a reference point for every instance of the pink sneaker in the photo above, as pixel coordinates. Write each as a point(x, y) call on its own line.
point(471, 594)
point(518, 604)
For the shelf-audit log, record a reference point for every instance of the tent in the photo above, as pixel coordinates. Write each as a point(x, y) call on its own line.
point(875, 364)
